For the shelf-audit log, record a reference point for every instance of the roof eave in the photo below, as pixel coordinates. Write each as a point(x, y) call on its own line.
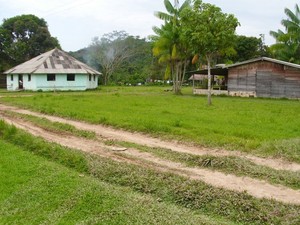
point(35, 65)
point(265, 59)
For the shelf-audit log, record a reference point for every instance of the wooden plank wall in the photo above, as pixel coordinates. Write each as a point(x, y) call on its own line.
point(292, 83)
point(232, 83)
point(242, 78)
point(267, 79)
point(264, 83)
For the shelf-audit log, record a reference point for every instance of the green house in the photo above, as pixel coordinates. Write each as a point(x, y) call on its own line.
point(53, 70)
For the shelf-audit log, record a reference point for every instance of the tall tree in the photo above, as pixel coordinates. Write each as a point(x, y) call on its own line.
point(168, 46)
point(136, 69)
point(112, 50)
point(246, 48)
point(287, 45)
point(24, 37)
point(209, 31)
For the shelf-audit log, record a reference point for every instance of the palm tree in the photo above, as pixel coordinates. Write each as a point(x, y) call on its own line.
point(287, 45)
point(292, 24)
point(167, 43)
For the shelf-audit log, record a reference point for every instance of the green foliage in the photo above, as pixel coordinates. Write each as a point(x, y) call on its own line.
point(208, 29)
point(120, 57)
point(168, 47)
point(22, 38)
point(137, 69)
point(209, 32)
point(287, 45)
point(246, 48)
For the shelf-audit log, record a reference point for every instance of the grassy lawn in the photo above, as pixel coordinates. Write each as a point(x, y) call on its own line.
point(55, 127)
point(46, 183)
point(36, 191)
point(229, 164)
point(261, 126)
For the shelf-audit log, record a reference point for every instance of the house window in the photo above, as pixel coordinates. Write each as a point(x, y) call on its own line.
point(50, 77)
point(29, 77)
point(71, 77)
point(90, 77)
point(94, 77)
point(11, 77)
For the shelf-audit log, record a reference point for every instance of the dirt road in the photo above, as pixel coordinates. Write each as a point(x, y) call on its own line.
point(254, 187)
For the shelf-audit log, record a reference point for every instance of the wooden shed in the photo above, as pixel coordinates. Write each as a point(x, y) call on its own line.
point(260, 77)
point(264, 77)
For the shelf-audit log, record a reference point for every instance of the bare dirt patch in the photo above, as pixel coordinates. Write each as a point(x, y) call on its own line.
point(254, 187)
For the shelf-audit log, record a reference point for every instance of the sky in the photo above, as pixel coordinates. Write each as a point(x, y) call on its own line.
point(76, 22)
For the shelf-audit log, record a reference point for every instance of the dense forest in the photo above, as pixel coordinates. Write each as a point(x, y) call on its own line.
point(129, 60)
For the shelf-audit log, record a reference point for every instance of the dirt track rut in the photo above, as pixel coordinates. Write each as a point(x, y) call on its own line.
point(254, 187)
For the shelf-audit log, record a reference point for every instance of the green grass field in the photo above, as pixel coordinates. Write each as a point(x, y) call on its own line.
point(229, 164)
point(43, 183)
point(260, 126)
point(36, 191)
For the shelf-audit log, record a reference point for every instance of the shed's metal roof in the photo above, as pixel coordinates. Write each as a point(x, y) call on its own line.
point(55, 61)
point(265, 59)
point(198, 77)
point(224, 69)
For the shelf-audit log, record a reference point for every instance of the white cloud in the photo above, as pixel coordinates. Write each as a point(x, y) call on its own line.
point(257, 16)
point(76, 22)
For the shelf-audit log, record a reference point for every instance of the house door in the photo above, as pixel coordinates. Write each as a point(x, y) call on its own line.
point(20, 81)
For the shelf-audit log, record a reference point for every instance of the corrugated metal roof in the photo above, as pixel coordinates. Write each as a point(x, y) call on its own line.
point(265, 59)
point(198, 77)
point(55, 61)
point(224, 70)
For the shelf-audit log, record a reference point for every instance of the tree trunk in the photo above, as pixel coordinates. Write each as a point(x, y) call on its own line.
point(173, 74)
point(175, 80)
point(184, 70)
point(105, 79)
point(209, 80)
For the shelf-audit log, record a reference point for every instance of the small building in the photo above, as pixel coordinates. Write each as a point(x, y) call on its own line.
point(198, 77)
point(261, 77)
point(53, 70)
point(265, 77)
point(198, 80)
